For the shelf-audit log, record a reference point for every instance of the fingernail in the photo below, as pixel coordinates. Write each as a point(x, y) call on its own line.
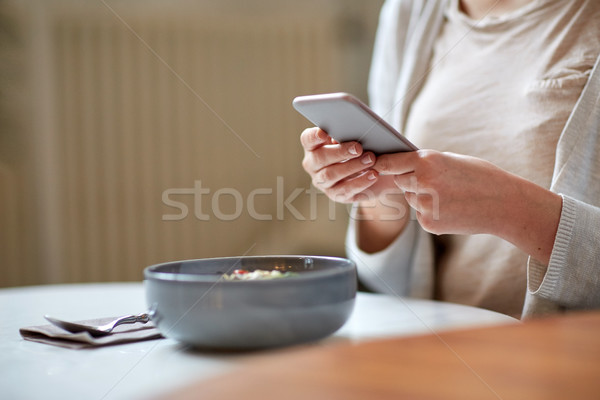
point(366, 159)
point(353, 150)
point(371, 176)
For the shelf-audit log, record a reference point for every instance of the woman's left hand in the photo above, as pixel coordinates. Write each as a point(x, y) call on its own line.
point(459, 194)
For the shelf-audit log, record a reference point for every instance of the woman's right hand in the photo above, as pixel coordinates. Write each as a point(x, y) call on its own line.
point(340, 170)
point(346, 175)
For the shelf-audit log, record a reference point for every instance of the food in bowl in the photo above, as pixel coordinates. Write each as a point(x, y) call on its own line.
point(245, 275)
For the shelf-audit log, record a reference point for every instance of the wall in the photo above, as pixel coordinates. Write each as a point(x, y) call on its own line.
point(137, 132)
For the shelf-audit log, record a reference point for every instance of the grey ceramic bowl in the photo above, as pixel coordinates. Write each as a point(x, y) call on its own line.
point(192, 303)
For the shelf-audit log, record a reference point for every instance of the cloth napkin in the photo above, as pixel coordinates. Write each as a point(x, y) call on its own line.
point(56, 336)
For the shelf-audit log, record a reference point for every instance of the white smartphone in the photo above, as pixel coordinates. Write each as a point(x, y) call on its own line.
point(345, 118)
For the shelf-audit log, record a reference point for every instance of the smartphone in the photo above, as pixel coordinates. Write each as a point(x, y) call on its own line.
point(345, 118)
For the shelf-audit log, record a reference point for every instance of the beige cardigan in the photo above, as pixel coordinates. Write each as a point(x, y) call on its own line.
point(571, 280)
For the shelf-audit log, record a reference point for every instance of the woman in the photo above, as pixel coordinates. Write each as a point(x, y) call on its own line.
point(508, 95)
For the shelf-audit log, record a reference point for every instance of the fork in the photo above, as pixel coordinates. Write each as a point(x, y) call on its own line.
point(101, 330)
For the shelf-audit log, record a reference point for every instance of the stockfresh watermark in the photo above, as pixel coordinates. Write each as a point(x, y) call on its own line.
point(271, 203)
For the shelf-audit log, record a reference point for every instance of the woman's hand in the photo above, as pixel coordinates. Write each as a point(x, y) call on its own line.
point(341, 170)
point(458, 194)
point(345, 174)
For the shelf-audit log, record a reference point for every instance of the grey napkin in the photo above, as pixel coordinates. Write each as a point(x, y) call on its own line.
point(56, 336)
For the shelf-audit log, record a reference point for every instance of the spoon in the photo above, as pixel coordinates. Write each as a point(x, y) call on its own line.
point(101, 330)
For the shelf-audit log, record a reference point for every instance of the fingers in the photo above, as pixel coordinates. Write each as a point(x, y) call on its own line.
point(407, 182)
point(329, 176)
point(396, 163)
point(419, 197)
point(313, 138)
point(341, 170)
point(320, 150)
point(354, 188)
point(328, 155)
point(427, 210)
point(413, 200)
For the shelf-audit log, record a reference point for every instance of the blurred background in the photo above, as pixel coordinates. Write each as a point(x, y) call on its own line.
point(136, 132)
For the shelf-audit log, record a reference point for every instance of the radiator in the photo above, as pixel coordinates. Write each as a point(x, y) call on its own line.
point(165, 132)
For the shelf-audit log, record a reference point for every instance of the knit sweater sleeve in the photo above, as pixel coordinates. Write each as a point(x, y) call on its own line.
point(571, 280)
point(404, 268)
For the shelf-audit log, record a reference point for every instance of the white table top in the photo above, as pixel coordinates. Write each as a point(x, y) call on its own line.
point(31, 370)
